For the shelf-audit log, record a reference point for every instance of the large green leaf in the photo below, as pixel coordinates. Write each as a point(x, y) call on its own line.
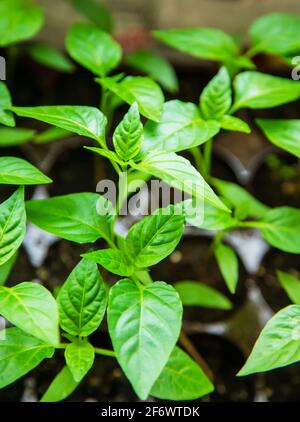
point(280, 227)
point(82, 300)
point(154, 65)
point(95, 12)
point(215, 100)
point(228, 264)
point(93, 48)
point(291, 285)
point(285, 134)
point(15, 136)
point(12, 225)
point(32, 308)
point(128, 136)
point(112, 260)
point(181, 127)
point(278, 344)
point(80, 357)
point(6, 117)
point(194, 293)
point(144, 324)
point(276, 33)
point(61, 387)
point(83, 120)
point(19, 354)
point(51, 57)
point(19, 20)
point(16, 171)
point(257, 90)
point(207, 43)
point(140, 89)
point(179, 173)
point(154, 237)
point(79, 217)
point(181, 379)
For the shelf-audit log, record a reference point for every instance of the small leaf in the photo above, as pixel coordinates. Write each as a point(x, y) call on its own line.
point(228, 264)
point(154, 237)
point(32, 308)
point(179, 173)
point(257, 90)
point(93, 48)
point(291, 286)
point(144, 324)
point(5, 269)
point(128, 135)
point(61, 387)
point(206, 43)
point(51, 57)
point(79, 217)
point(6, 117)
point(82, 300)
point(80, 358)
point(156, 66)
point(112, 260)
point(181, 127)
point(20, 353)
point(215, 100)
point(140, 89)
point(235, 124)
point(278, 344)
point(19, 20)
point(83, 120)
point(15, 136)
point(282, 133)
point(181, 379)
point(280, 228)
point(95, 12)
point(12, 225)
point(194, 293)
point(15, 171)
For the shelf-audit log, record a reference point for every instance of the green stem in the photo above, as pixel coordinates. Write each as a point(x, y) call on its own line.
point(104, 352)
point(207, 157)
point(254, 224)
point(196, 153)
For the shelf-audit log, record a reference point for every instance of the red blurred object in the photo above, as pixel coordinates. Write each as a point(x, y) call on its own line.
point(134, 39)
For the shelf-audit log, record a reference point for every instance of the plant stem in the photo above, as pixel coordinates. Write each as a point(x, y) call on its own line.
point(196, 153)
point(207, 157)
point(104, 352)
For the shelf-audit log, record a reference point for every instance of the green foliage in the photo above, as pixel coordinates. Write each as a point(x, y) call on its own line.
point(228, 264)
point(95, 12)
point(112, 260)
point(6, 117)
point(80, 357)
point(15, 136)
point(61, 387)
point(16, 171)
point(291, 286)
point(51, 57)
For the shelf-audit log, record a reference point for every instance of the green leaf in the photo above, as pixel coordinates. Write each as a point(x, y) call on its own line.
point(51, 134)
point(179, 173)
point(19, 20)
point(5, 269)
point(20, 353)
point(194, 293)
point(244, 203)
point(278, 344)
point(111, 155)
point(128, 136)
point(257, 90)
point(156, 66)
point(12, 225)
point(95, 12)
point(291, 286)
point(82, 300)
point(15, 171)
point(93, 48)
point(228, 264)
point(79, 217)
point(282, 133)
point(235, 124)
point(215, 100)
point(15, 136)
point(206, 43)
point(83, 120)
point(80, 357)
point(276, 33)
point(33, 309)
point(6, 117)
point(181, 379)
point(181, 127)
point(144, 324)
point(140, 89)
point(51, 57)
point(112, 260)
point(280, 227)
point(154, 237)
point(61, 387)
